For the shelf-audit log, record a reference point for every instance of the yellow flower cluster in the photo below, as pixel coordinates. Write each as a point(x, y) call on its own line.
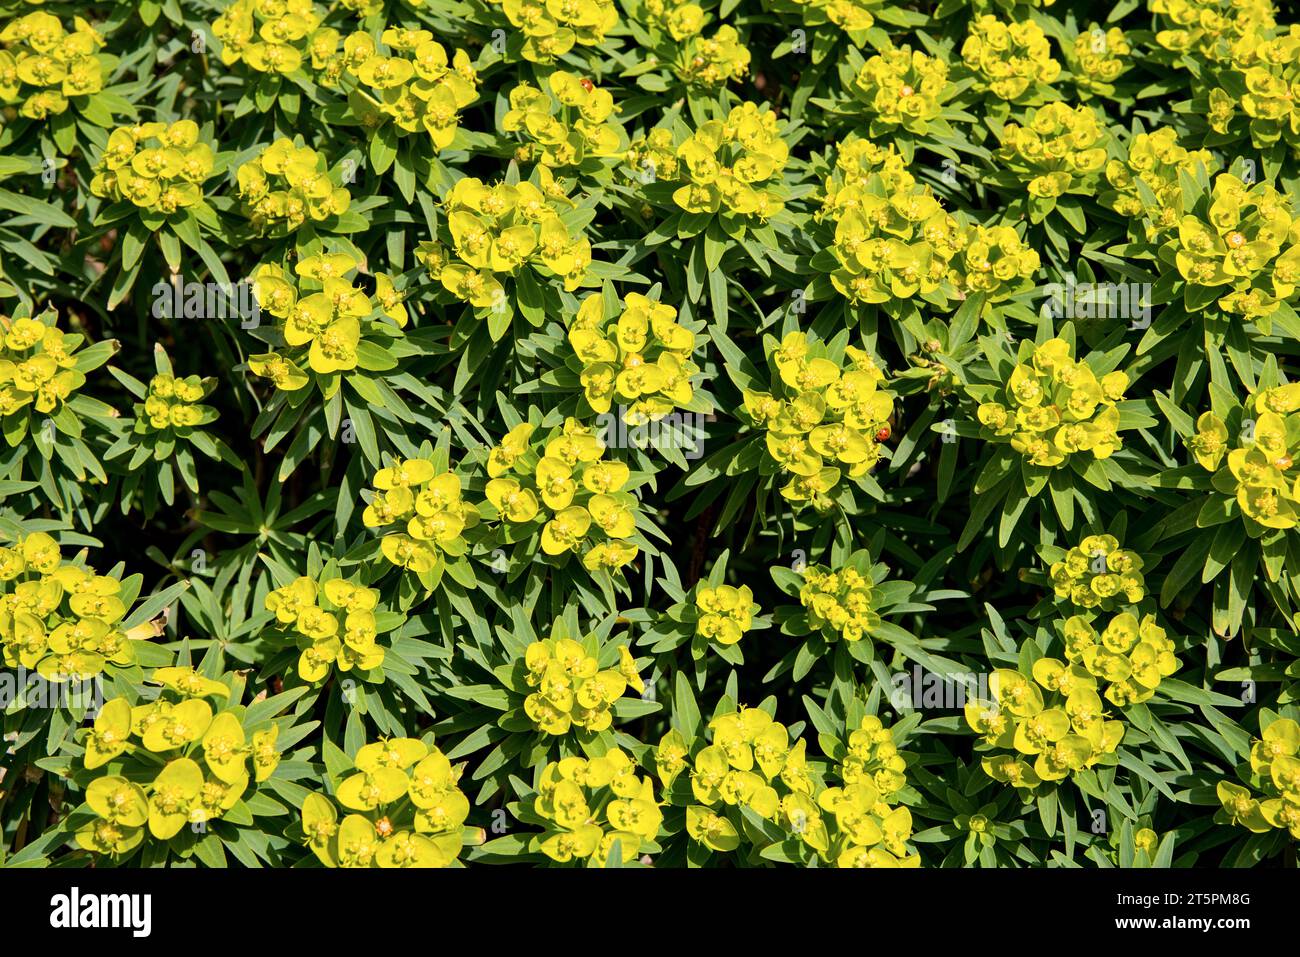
point(551, 28)
point(1059, 149)
point(871, 828)
point(892, 241)
point(572, 690)
point(333, 624)
point(497, 229)
point(329, 64)
point(207, 757)
point(700, 62)
point(156, 166)
point(1275, 769)
point(570, 487)
point(1098, 59)
point(172, 403)
point(654, 157)
point(42, 64)
point(872, 756)
point(895, 240)
point(414, 84)
point(37, 366)
point(567, 126)
point(58, 618)
point(1156, 160)
point(749, 756)
point(322, 312)
point(1072, 734)
point(903, 87)
point(831, 420)
point(642, 360)
point(1131, 655)
point(593, 803)
point(1260, 472)
point(1269, 68)
point(732, 166)
point(412, 494)
point(1097, 573)
point(751, 763)
point(712, 61)
point(1009, 60)
point(725, 613)
point(995, 261)
point(840, 601)
point(406, 810)
point(1248, 244)
point(1054, 407)
point(1211, 28)
point(679, 18)
point(858, 162)
point(286, 185)
point(271, 36)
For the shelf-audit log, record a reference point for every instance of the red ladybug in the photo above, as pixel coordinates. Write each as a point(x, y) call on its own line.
point(883, 433)
point(587, 85)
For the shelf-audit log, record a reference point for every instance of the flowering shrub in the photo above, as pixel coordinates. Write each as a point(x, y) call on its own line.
point(817, 433)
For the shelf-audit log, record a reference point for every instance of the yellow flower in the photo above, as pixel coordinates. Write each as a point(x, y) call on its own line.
point(564, 532)
point(174, 797)
point(334, 348)
point(511, 500)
